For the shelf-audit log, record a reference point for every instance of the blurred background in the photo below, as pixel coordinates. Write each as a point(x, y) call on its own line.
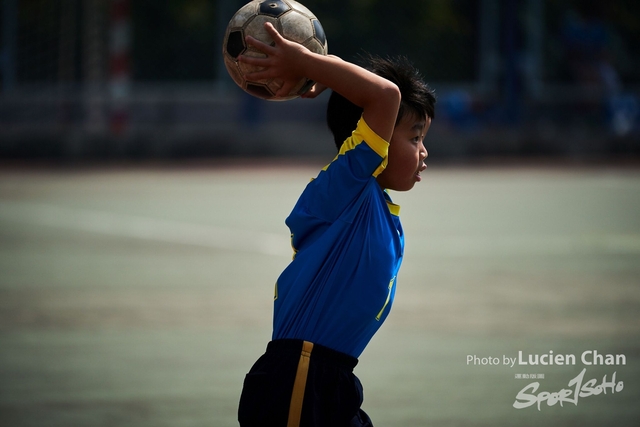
point(143, 198)
point(145, 79)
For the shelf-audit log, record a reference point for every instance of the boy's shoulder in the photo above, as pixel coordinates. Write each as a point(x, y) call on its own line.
point(370, 149)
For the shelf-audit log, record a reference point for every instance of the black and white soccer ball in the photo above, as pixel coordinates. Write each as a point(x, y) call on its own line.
point(292, 20)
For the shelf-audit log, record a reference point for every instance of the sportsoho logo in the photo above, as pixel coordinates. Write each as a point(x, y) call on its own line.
point(577, 388)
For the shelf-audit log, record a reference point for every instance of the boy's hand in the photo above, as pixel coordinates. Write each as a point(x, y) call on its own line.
point(289, 62)
point(284, 61)
point(316, 90)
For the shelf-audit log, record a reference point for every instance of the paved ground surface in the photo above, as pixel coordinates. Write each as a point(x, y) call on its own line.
point(141, 296)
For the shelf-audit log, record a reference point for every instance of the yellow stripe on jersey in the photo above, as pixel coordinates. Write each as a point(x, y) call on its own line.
point(393, 208)
point(363, 133)
point(295, 251)
point(386, 303)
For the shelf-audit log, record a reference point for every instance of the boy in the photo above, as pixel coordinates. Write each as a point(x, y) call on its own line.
point(346, 234)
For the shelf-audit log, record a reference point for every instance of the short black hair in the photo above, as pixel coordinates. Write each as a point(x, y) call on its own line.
point(417, 97)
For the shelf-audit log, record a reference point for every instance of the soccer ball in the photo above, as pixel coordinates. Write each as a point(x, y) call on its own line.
point(292, 20)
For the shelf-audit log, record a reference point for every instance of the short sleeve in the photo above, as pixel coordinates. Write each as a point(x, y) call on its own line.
point(364, 134)
point(361, 158)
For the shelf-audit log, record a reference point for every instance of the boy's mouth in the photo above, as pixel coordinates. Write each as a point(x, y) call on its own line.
point(420, 169)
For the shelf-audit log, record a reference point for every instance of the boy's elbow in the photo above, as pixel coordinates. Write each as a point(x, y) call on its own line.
point(391, 94)
point(381, 114)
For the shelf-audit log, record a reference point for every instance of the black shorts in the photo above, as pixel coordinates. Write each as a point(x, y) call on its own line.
point(293, 374)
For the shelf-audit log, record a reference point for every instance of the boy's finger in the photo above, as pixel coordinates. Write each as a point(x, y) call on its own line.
point(257, 76)
point(254, 60)
point(316, 90)
point(275, 35)
point(285, 89)
point(261, 46)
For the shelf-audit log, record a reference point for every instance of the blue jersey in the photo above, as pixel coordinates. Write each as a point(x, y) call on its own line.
point(348, 245)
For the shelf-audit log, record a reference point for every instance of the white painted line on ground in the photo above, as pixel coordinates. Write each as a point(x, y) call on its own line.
point(519, 245)
point(146, 228)
point(176, 232)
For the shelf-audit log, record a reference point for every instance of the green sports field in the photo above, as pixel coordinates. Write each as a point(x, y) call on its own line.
point(140, 296)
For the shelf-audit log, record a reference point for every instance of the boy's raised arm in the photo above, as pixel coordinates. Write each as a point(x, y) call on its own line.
point(289, 61)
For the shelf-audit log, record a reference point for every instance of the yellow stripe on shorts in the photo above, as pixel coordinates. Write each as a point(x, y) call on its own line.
point(299, 385)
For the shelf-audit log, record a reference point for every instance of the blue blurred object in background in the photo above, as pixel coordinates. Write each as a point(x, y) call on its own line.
point(97, 79)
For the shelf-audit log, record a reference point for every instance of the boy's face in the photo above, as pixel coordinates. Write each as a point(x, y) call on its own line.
point(406, 154)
